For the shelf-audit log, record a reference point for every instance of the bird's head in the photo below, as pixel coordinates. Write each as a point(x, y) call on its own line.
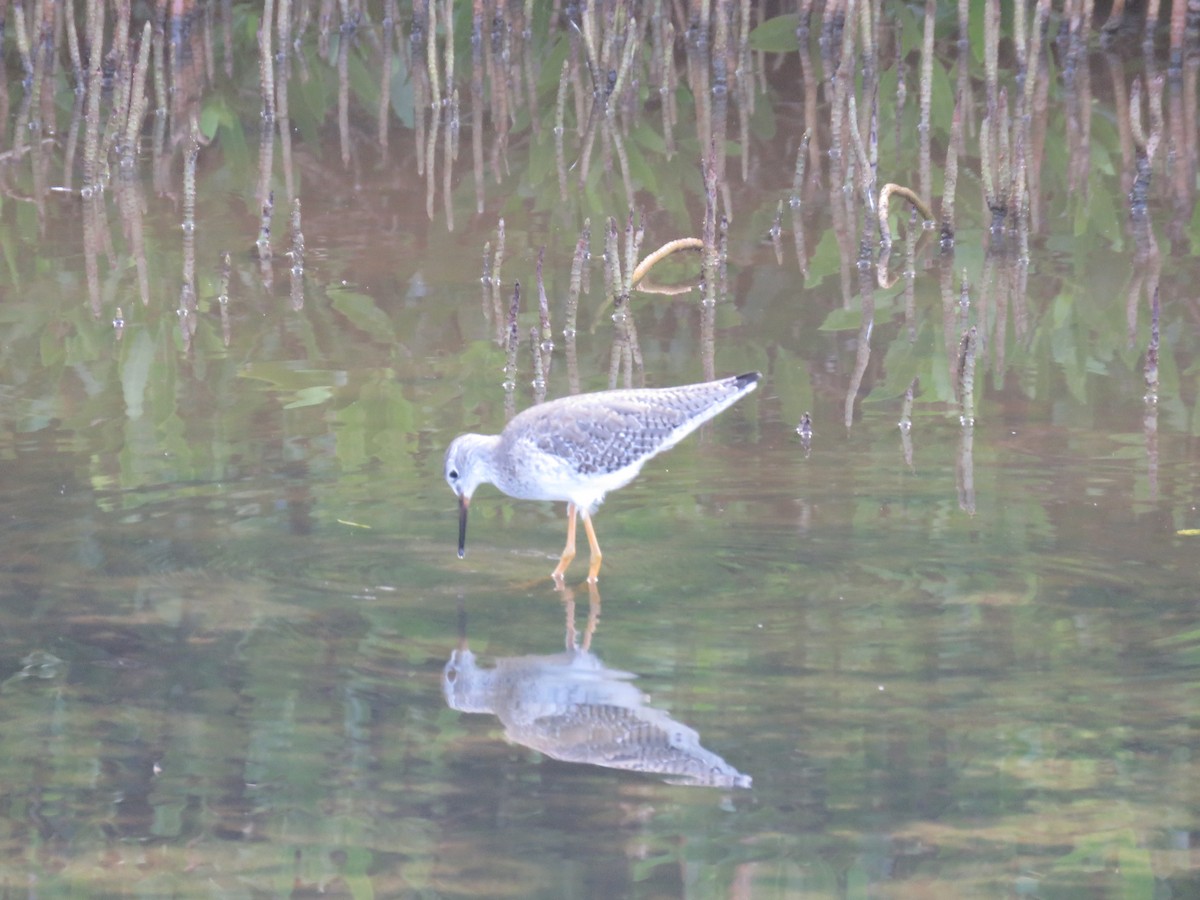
point(467, 465)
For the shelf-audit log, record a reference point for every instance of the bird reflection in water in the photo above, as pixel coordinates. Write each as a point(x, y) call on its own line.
point(572, 707)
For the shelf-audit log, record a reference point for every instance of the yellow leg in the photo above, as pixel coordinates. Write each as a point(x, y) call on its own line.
point(597, 556)
point(568, 553)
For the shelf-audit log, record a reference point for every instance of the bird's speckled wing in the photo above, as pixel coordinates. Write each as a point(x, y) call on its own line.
point(606, 432)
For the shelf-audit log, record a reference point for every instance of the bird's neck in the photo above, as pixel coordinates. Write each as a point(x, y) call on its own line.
point(483, 449)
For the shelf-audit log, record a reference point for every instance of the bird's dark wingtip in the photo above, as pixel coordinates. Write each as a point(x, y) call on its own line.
point(749, 378)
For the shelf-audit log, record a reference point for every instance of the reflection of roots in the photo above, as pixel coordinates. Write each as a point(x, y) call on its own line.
point(885, 199)
point(885, 196)
point(669, 290)
point(643, 268)
point(662, 253)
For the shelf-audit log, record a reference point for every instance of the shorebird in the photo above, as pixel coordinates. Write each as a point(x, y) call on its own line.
point(577, 449)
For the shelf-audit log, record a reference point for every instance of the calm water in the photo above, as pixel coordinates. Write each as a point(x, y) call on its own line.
point(239, 656)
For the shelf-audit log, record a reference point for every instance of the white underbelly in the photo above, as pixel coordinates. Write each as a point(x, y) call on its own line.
point(566, 485)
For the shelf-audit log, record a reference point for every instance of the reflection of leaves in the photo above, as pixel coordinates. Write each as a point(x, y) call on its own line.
point(363, 81)
point(851, 319)
point(363, 314)
point(210, 118)
point(380, 424)
point(311, 99)
point(402, 96)
point(54, 351)
point(776, 35)
point(356, 872)
point(908, 28)
point(7, 236)
point(826, 260)
point(842, 320)
point(1182, 649)
point(1064, 347)
point(283, 375)
point(551, 67)
point(308, 387)
point(311, 396)
point(1137, 871)
point(135, 371)
point(220, 123)
point(786, 876)
point(641, 170)
point(904, 361)
point(1104, 855)
point(87, 342)
point(481, 371)
point(791, 381)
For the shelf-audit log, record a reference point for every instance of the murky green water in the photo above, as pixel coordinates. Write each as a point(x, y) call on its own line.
point(239, 656)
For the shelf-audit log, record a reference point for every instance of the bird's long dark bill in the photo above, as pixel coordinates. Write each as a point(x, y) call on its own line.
point(463, 504)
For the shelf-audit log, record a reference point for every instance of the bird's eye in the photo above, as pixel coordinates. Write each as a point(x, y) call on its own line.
point(453, 474)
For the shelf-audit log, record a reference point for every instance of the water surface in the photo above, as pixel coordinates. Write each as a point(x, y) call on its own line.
point(953, 658)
